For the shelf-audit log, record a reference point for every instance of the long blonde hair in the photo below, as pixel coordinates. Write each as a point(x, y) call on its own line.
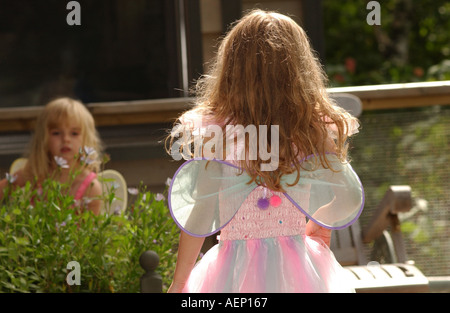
point(265, 73)
point(57, 112)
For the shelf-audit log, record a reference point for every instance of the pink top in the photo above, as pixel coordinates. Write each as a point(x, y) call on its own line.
point(84, 185)
point(252, 222)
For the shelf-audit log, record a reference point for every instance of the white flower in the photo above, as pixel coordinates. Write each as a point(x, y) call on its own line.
point(159, 197)
point(11, 178)
point(58, 226)
point(133, 191)
point(86, 201)
point(88, 156)
point(89, 150)
point(61, 162)
point(87, 159)
point(168, 181)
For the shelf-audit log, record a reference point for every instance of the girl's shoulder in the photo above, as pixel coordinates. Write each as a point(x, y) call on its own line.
point(87, 184)
point(197, 119)
point(87, 191)
point(91, 189)
point(95, 187)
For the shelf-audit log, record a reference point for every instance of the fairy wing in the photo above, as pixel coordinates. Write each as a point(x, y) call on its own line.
point(332, 197)
point(196, 190)
point(205, 194)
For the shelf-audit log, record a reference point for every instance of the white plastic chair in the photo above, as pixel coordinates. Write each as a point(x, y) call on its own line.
point(18, 164)
point(113, 181)
point(349, 102)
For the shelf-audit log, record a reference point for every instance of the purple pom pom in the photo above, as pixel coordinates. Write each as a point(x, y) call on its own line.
point(263, 203)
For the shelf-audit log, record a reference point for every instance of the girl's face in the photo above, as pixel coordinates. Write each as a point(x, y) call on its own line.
point(65, 141)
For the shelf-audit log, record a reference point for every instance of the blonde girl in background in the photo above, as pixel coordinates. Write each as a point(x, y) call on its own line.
point(265, 73)
point(65, 147)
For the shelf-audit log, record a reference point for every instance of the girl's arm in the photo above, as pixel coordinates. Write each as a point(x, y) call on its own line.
point(315, 230)
point(188, 250)
point(3, 184)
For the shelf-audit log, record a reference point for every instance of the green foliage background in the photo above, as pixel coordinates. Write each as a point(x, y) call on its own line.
point(411, 44)
point(40, 234)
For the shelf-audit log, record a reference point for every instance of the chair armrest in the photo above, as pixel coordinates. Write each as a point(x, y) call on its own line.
point(397, 199)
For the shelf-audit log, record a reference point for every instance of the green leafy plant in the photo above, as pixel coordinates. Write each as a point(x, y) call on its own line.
point(410, 45)
point(41, 232)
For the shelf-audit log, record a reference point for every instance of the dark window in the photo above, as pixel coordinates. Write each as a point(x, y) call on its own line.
point(123, 50)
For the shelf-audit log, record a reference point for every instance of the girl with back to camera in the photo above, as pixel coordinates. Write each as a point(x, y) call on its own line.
point(65, 143)
point(275, 225)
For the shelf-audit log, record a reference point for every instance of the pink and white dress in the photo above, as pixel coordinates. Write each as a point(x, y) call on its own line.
point(262, 245)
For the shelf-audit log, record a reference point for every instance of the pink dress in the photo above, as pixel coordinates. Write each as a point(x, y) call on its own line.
point(262, 245)
point(267, 251)
point(84, 185)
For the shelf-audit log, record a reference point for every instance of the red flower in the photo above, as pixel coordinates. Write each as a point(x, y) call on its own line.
point(418, 71)
point(350, 65)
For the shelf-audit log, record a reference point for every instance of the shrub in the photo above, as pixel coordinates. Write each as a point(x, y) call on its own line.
point(40, 233)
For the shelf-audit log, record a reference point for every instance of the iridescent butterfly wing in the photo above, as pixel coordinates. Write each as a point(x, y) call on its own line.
point(332, 197)
point(205, 194)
